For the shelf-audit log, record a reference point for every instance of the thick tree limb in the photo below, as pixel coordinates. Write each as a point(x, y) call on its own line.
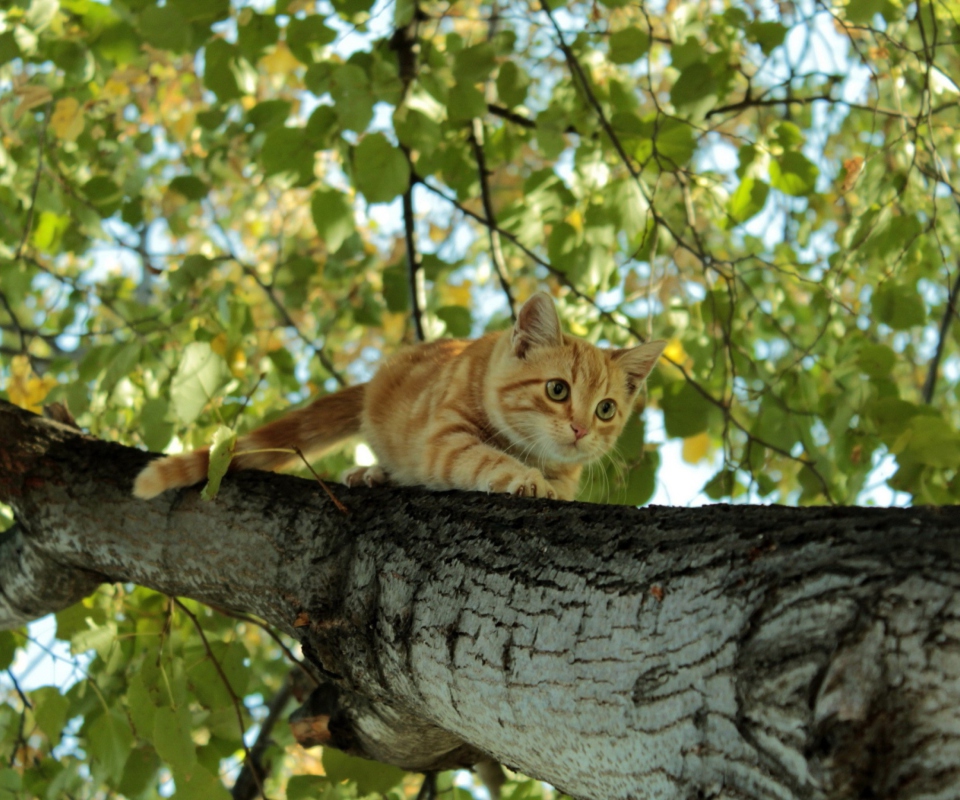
point(617, 653)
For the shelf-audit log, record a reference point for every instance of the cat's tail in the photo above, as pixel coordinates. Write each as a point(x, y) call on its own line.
point(326, 422)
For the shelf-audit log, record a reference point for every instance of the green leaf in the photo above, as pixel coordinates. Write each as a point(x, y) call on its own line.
point(220, 67)
point(768, 35)
point(50, 711)
point(929, 440)
point(695, 91)
point(289, 152)
point(172, 740)
point(108, 743)
point(333, 217)
point(165, 28)
point(351, 91)
point(876, 360)
point(396, 291)
point(199, 376)
point(9, 49)
point(416, 130)
point(464, 102)
point(380, 169)
point(628, 45)
point(192, 269)
point(306, 787)
point(862, 12)
point(199, 784)
point(307, 37)
point(190, 186)
point(642, 480)
point(155, 430)
point(139, 772)
point(141, 706)
point(748, 199)
point(789, 136)
point(221, 454)
point(793, 174)
point(40, 13)
point(10, 784)
point(512, 84)
point(205, 679)
point(474, 64)
point(8, 648)
point(269, 114)
point(202, 11)
point(458, 320)
point(94, 637)
point(104, 194)
point(371, 777)
point(685, 411)
point(259, 33)
point(898, 306)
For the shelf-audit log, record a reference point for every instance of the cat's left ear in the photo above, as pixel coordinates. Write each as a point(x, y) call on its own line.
point(638, 362)
point(537, 325)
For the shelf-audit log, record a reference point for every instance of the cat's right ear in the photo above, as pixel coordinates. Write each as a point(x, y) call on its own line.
point(537, 325)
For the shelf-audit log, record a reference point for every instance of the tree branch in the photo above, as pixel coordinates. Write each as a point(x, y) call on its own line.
point(949, 313)
point(414, 270)
point(773, 650)
point(496, 252)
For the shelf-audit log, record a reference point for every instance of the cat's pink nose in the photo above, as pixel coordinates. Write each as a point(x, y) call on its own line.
point(578, 431)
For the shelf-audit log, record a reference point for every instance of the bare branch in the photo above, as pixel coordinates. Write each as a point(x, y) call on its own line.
point(28, 225)
point(949, 313)
point(249, 783)
point(248, 757)
point(496, 252)
point(414, 270)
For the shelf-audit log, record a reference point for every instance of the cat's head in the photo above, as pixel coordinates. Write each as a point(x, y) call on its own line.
point(558, 397)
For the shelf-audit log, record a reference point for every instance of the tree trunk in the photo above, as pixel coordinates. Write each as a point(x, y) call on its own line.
point(618, 653)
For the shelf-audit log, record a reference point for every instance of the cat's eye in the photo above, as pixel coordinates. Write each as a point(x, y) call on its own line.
point(606, 409)
point(558, 390)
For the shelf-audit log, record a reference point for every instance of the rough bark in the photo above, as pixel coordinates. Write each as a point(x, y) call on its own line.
point(617, 653)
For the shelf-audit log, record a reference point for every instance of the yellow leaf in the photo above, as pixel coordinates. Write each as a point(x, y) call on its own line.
point(393, 325)
point(24, 388)
point(675, 352)
point(696, 448)
point(575, 219)
point(67, 119)
point(114, 89)
point(455, 295)
point(219, 344)
point(280, 62)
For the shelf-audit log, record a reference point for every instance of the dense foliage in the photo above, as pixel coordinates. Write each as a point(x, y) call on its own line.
point(209, 211)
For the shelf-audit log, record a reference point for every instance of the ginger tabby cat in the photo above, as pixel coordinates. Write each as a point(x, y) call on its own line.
point(518, 411)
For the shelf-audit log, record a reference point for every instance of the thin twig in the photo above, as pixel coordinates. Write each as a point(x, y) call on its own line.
point(414, 268)
point(246, 400)
point(250, 780)
point(340, 506)
point(304, 666)
point(930, 384)
point(288, 320)
point(248, 758)
point(496, 252)
point(428, 789)
point(28, 225)
point(15, 322)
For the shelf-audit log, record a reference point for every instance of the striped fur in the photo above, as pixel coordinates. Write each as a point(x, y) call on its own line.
point(456, 414)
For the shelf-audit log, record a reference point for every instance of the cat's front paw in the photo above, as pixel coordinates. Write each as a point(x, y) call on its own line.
point(370, 476)
point(530, 483)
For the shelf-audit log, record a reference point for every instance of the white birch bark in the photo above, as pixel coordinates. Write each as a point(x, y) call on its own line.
point(618, 653)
